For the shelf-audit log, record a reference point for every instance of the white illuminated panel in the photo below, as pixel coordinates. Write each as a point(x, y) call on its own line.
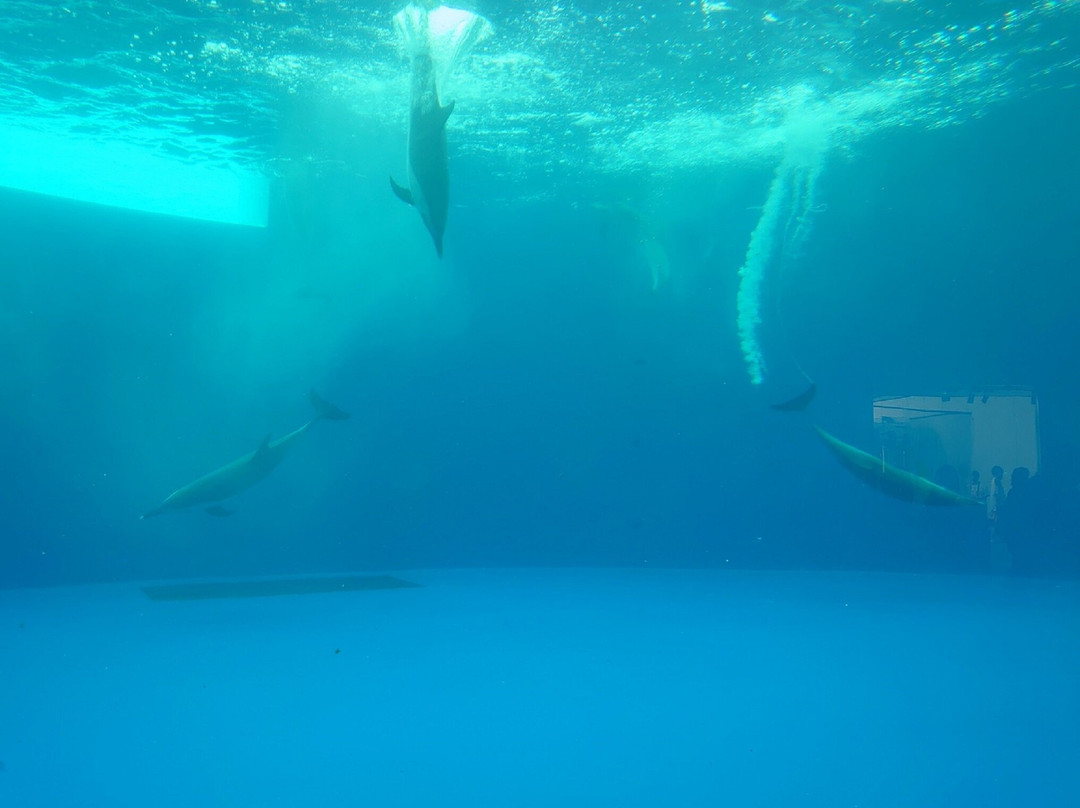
point(124, 175)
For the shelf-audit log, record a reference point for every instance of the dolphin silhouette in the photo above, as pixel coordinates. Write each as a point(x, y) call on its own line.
point(428, 168)
point(245, 471)
point(800, 402)
point(890, 480)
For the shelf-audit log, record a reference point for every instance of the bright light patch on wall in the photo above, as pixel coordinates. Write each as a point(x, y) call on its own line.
point(124, 175)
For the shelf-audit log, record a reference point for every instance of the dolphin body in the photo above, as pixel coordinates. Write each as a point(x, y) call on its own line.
point(632, 226)
point(244, 472)
point(890, 480)
point(428, 169)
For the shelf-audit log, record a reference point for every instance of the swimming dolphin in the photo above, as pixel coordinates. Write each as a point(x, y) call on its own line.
point(436, 37)
point(429, 173)
point(890, 480)
point(244, 472)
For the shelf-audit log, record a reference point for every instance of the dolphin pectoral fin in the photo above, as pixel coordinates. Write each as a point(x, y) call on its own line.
point(402, 193)
point(445, 112)
point(217, 510)
point(325, 408)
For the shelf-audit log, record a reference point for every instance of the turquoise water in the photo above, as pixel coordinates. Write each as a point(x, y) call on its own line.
point(663, 220)
point(531, 687)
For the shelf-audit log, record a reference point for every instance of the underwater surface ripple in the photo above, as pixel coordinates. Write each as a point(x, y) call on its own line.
point(589, 87)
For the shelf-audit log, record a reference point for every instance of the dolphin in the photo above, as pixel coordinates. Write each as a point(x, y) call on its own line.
point(890, 480)
point(428, 170)
point(245, 471)
point(633, 227)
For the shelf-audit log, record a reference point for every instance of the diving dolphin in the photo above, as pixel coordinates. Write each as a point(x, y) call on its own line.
point(890, 480)
point(244, 472)
point(428, 171)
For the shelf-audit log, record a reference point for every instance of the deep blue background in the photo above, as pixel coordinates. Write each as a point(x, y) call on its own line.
point(571, 416)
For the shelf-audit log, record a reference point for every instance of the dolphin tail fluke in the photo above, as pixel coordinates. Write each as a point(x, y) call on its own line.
point(414, 30)
point(401, 192)
point(325, 408)
point(800, 402)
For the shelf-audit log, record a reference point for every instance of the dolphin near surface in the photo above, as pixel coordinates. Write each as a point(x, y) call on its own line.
point(890, 480)
point(429, 171)
point(435, 37)
point(244, 472)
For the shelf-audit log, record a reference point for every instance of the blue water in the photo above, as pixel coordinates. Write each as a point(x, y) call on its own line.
point(531, 687)
point(569, 387)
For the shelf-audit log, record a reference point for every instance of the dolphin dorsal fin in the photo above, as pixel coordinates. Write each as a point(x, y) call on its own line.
point(401, 192)
point(445, 111)
point(263, 452)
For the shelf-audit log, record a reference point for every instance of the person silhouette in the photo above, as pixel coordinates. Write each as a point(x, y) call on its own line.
point(976, 490)
point(1000, 558)
point(996, 496)
point(1018, 480)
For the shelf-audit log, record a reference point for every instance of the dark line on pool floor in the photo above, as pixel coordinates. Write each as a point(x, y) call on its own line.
point(272, 588)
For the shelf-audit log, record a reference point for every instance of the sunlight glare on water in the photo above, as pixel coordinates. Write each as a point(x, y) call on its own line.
point(590, 87)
